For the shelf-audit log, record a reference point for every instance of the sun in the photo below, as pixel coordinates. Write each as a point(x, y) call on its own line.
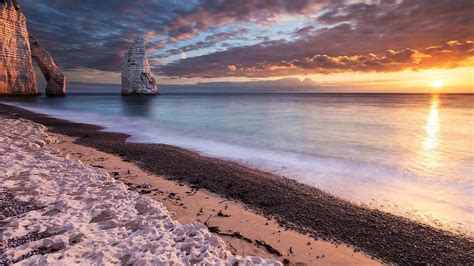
point(437, 84)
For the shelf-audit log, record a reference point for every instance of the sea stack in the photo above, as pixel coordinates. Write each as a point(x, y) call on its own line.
point(137, 78)
point(17, 76)
point(55, 78)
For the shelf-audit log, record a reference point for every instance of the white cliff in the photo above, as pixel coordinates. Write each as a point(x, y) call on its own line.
point(55, 78)
point(17, 76)
point(137, 78)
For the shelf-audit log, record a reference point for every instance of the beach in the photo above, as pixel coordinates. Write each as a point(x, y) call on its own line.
point(227, 219)
point(60, 211)
point(327, 225)
point(244, 231)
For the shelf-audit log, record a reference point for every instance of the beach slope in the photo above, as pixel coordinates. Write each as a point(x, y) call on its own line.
point(58, 210)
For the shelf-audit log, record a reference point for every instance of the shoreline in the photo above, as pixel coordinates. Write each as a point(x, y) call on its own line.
point(296, 206)
point(228, 219)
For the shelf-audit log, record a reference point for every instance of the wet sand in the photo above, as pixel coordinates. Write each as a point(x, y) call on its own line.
point(292, 205)
point(243, 231)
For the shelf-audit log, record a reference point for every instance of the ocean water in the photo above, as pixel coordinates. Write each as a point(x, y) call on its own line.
point(408, 154)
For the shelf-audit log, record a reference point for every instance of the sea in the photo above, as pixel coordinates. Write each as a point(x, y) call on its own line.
point(408, 154)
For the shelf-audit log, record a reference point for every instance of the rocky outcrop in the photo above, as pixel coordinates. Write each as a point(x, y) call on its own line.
point(17, 76)
point(13, 3)
point(55, 78)
point(137, 78)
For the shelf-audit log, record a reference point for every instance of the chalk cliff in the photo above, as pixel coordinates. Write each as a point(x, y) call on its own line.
point(55, 78)
point(17, 76)
point(137, 78)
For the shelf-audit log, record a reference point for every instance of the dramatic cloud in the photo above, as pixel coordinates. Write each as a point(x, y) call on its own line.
point(210, 41)
point(256, 38)
point(97, 33)
point(213, 13)
point(93, 34)
point(385, 36)
point(448, 55)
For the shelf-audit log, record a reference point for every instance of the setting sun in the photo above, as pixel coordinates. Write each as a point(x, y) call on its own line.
point(437, 84)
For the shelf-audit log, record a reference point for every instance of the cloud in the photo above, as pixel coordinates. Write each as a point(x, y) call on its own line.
point(448, 55)
point(216, 13)
point(337, 35)
point(209, 41)
point(222, 36)
point(95, 34)
point(383, 36)
point(254, 86)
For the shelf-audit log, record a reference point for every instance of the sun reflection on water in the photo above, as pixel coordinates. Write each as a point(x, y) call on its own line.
point(431, 138)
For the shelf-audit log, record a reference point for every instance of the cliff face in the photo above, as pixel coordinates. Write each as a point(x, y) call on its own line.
point(56, 80)
point(137, 77)
point(17, 76)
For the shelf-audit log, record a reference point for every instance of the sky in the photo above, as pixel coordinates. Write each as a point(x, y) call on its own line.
point(342, 45)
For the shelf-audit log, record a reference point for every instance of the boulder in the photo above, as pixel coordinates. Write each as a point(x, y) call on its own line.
point(137, 78)
point(55, 78)
point(17, 76)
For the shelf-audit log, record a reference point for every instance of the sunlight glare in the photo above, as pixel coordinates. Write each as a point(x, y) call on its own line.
point(437, 84)
point(430, 151)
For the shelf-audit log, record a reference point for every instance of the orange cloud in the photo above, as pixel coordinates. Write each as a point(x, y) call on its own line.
point(448, 55)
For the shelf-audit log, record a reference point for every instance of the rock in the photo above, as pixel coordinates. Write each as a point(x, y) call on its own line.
point(17, 76)
point(12, 3)
point(137, 78)
point(55, 78)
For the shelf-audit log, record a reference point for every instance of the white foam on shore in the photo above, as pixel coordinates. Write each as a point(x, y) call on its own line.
point(106, 221)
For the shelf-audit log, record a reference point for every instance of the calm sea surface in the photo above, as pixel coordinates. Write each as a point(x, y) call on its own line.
point(411, 155)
